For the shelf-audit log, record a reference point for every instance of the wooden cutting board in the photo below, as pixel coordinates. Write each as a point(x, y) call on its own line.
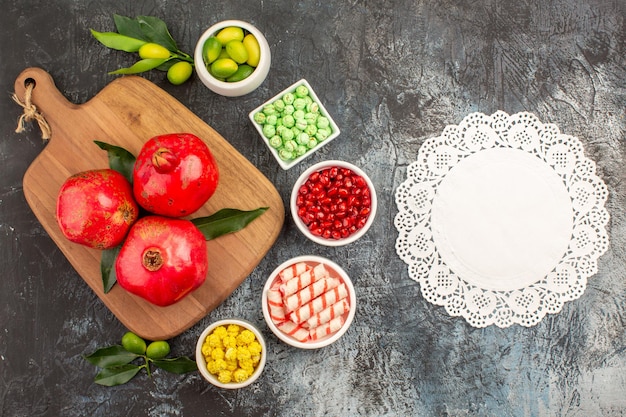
point(126, 113)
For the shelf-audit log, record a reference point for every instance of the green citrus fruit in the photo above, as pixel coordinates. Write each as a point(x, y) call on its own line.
point(229, 34)
point(153, 50)
point(223, 68)
point(133, 343)
point(179, 72)
point(211, 50)
point(158, 349)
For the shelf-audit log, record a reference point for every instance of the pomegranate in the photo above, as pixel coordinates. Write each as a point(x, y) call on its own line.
point(174, 175)
point(96, 208)
point(162, 259)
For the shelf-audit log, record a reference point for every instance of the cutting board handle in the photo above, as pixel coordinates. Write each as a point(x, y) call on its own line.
point(45, 94)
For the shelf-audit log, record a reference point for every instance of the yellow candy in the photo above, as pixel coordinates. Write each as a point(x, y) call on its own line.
point(231, 353)
point(240, 375)
point(233, 329)
point(217, 353)
point(229, 341)
point(206, 349)
point(245, 338)
point(255, 348)
point(225, 377)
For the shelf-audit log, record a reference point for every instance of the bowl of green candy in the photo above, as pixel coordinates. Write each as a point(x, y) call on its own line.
point(294, 124)
point(232, 58)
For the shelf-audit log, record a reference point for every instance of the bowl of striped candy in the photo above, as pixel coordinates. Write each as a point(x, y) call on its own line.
point(309, 302)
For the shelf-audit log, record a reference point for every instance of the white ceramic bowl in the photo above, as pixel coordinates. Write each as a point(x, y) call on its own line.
point(202, 365)
point(303, 227)
point(336, 272)
point(239, 88)
point(286, 164)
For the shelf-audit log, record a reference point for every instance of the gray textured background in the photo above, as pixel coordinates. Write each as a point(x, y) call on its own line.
point(392, 73)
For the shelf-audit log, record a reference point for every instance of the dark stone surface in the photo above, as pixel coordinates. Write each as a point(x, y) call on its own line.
point(392, 73)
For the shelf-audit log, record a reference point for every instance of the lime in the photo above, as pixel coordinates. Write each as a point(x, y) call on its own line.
point(153, 50)
point(253, 48)
point(223, 68)
point(179, 72)
point(211, 49)
point(229, 34)
point(158, 349)
point(237, 51)
point(133, 343)
point(242, 72)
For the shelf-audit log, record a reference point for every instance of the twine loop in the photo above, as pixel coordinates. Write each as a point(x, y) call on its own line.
point(31, 113)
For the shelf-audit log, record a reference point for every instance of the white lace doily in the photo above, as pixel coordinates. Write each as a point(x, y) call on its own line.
point(501, 219)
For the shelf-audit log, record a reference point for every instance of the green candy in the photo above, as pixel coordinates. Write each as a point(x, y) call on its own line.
point(276, 141)
point(289, 121)
point(302, 91)
point(301, 150)
point(269, 130)
point(259, 117)
point(301, 124)
point(288, 98)
point(272, 119)
point(279, 105)
point(299, 103)
point(269, 109)
point(287, 135)
point(322, 122)
point(285, 155)
point(302, 139)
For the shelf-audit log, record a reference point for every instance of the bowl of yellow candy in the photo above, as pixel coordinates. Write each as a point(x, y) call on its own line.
point(231, 353)
point(232, 58)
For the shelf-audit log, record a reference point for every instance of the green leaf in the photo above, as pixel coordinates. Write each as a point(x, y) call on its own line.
point(226, 221)
point(142, 65)
point(112, 356)
point(166, 65)
point(129, 27)
point(156, 30)
point(107, 267)
point(117, 376)
point(120, 159)
point(119, 42)
point(176, 365)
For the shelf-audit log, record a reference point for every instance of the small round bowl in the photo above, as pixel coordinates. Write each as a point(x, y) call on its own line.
point(303, 227)
point(335, 271)
point(244, 86)
point(202, 365)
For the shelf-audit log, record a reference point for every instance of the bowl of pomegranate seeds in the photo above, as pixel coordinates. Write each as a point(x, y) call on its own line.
point(309, 302)
point(333, 203)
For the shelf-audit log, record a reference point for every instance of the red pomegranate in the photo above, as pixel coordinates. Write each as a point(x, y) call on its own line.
point(96, 208)
point(174, 175)
point(162, 259)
